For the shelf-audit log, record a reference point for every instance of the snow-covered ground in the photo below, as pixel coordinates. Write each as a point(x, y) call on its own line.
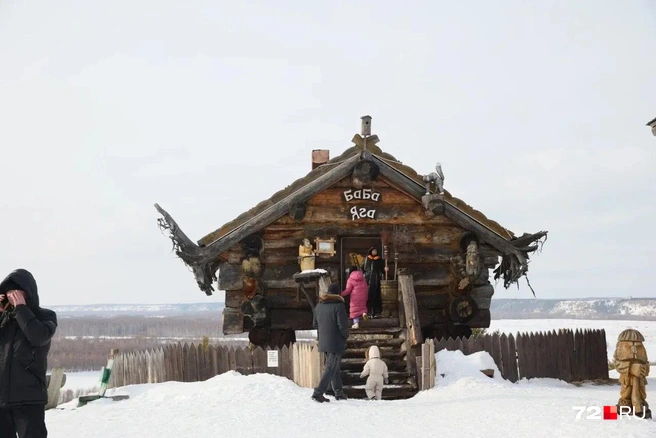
point(613, 329)
point(464, 403)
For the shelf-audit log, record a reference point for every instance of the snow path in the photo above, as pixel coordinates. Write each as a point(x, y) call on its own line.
point(462, 405)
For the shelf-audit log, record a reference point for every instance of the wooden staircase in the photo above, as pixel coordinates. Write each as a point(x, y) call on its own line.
point(390, 339)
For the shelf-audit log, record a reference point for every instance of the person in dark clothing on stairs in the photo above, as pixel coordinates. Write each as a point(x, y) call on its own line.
point(373, 273)
point(331, 322)
point(25, 333)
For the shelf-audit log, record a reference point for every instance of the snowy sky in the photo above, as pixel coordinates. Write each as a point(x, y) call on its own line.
point(536, 110)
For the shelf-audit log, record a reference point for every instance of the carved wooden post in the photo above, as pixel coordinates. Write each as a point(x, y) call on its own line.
point(406, 284)
point(56, 381)
point(411, 317)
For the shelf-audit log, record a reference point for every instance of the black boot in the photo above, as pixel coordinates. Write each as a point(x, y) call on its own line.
point(341, 396)
point(319, 398)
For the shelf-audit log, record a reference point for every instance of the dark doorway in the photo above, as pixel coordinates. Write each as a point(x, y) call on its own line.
point(351, 247)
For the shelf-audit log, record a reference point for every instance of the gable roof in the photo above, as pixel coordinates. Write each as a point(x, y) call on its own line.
point(382, 159)
point(202, 258)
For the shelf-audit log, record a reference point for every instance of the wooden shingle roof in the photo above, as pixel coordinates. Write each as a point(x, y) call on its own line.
point(204, 258)
point(353, 151)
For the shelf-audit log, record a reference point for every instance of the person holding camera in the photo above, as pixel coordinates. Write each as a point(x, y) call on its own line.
point(25, 333)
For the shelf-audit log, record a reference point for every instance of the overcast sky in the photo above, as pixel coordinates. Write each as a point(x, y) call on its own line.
point(536, 110)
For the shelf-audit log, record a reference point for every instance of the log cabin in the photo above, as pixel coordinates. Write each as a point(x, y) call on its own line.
point(326, 222)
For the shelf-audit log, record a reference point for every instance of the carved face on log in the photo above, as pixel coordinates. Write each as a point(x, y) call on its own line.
point(631, 351)
point(473, 262)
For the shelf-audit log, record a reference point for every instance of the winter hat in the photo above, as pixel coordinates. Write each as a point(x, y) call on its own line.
point(334, 289)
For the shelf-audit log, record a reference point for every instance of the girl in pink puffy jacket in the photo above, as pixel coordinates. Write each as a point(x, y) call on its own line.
point(356, 286)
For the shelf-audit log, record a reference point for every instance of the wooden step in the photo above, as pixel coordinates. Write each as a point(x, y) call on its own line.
point(387, 353)
point(375, 333)
point(376, 330)
point(380, 322)
point(354, 365)
point(395, 378)
point(366, 343)
point(360, 361)
point(390, 392)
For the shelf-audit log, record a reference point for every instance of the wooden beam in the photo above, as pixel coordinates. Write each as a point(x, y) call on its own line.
point(527, 239)
point(483, 296)
point(203, 260)
point(482, 320)
point(274, 276)
point(233, 321)
point(459, 217)
point(516, 259)
point(307, 295)
point(180, 240)
point(297, 211)
point(276, 211)
point(407, 290)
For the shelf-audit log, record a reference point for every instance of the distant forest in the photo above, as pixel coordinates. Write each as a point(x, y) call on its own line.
point(84, 343)
point(146, 326)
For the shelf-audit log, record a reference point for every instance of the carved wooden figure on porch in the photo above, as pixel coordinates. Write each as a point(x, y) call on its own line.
point(306, 256)
point(631, 362)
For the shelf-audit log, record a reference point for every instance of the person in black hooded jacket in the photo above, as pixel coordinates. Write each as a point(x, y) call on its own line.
point(25, 333)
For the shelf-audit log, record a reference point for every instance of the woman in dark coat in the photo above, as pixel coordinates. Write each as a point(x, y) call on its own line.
point(373, 271)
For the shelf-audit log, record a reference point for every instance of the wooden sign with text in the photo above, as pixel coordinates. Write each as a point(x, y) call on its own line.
point(358, 212)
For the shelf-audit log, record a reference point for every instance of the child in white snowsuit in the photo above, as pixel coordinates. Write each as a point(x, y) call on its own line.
point(376, 369)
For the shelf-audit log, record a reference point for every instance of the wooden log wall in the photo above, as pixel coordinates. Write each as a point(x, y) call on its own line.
point(430, 244)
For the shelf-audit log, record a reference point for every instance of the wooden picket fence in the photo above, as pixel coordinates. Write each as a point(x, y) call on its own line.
point(568, 355)
point(308, 365)
point(300, 362)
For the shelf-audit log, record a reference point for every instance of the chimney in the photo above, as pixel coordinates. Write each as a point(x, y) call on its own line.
point(366, 126)
point(319, 157)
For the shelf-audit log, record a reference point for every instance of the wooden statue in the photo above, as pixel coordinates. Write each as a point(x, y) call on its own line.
point(631, 362)
point(437, 177)
point(306, 255)
point(473, 266)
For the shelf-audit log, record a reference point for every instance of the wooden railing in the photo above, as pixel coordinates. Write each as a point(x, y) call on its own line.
point(409, 317)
